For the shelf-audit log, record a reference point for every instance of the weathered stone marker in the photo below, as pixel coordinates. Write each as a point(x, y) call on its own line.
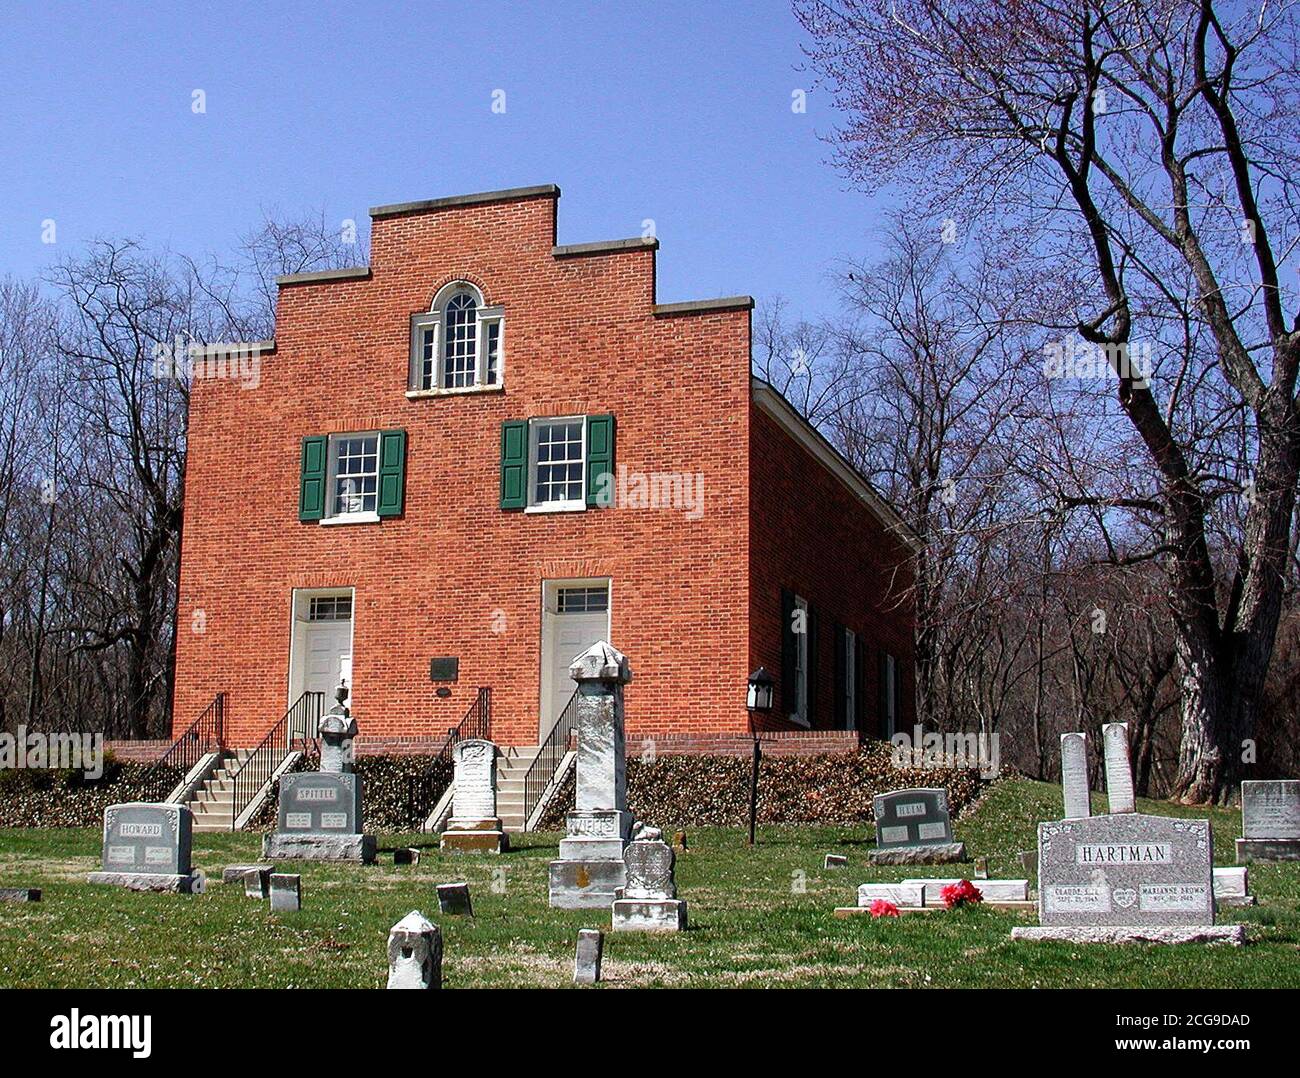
point(414, 953)
point(903, 895)
point(20, 894)
point(147, 848)
point(1074, 776)
point(590, 869)
point(586, 959)
point(981, 868)
point(990, 890)
point(1232, 887)
point(913, 827)
point(237, 873)
point(679, 841)
point(257, 883)
point(1270, 821)
point(286, 892)
point(1119, 770)
point(320, 812)
point(649, 902)
point(453, 898)
point(406, 856)
point(835, 860)
point(474, 824)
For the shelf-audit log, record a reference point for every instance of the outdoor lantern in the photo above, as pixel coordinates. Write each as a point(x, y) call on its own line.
point(760, 691)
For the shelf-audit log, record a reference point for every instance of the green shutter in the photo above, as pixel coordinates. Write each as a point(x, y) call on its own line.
point(392, 472)
point(514, 464)
point(600, 461)
point(311, 480)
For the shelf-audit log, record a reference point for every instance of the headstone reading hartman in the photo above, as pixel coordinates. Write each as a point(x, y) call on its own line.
point(474, 824)
point(1119, 771)
point(590, 869)
point(147, 848)
point(1270, 821)
point(414, 953)
point(1074, 776)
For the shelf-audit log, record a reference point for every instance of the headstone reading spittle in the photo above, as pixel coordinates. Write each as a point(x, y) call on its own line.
point(414, 953)
point(587, 956)
point(1119, 771)
point(1074, 776)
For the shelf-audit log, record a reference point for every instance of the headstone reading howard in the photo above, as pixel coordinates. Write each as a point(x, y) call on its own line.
point(1119, 771)
point(1074, 776)
point(474, 824)
point(590, 869)
point(414, 953)
point(1270, 821)
point(147, 848)
point(320, 812)
point(649, 902)
point(913, 827)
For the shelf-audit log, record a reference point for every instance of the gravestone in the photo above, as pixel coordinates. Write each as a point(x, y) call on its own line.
point(587, 956)
point(981, 868)
point(1232, 887)
point(1270, 821)
point(406, 856)
point(1074, 776)
point(649, 902)
point(903, 895)
point(474, 824)
point(835, 860)
point(1119, 771)
point(319, 817)
point(590, 869)
point(990, 890)
point(453, 899)
point(20, 894)
point(257, 883)
point(147, 848)
point(414, 953)
point(286, 892)
point(913, 827)
point(1127, 876)
point(237, 873)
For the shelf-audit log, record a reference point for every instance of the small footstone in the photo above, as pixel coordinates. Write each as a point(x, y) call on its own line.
point(257, 883)
point(981, 868)
point(237, 873)
point(835, 860)
point(586, 960)
point(286, 892)
point(414, 953)
point(679, 841)
point(20, 894)
point(406, 857)
point(453, 899)
point(1234, 935)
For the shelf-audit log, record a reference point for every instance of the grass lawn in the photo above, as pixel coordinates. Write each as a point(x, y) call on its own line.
point(759, 918)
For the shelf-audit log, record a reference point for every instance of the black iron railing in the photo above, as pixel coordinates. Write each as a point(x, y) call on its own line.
point(424, 790)
point(549, 754)
point(205, 734)
point(298, 723)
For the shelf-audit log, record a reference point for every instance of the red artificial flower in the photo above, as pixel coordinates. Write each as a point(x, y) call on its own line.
point(962, 893)
point(883, 908)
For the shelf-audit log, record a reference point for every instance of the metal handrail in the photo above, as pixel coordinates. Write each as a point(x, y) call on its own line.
point(424, 790)
point(300, 721)
point(554, 747)
point(204, 734)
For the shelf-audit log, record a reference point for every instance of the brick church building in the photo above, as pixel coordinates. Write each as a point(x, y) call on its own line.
point(466, 462)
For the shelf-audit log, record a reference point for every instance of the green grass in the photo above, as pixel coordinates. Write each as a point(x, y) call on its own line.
point(759, 917)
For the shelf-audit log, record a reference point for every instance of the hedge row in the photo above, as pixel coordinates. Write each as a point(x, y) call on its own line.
point(51, 798)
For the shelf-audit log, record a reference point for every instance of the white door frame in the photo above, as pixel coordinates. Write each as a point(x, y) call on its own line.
point(550, 587)
point(299, 601)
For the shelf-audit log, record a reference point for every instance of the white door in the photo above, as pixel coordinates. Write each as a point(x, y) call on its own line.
point(576, 615)
point(328, 657)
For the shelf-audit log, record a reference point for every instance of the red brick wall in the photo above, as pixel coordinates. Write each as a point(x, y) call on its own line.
point(580, 338)
point(139, 752)
point(811, 535)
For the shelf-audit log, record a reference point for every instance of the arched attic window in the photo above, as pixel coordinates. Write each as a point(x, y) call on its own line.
point(456, 346)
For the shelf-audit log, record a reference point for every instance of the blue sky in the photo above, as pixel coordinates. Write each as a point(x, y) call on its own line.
point(677, 112)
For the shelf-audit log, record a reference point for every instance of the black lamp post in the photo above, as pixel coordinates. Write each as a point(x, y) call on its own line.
point(758, 698)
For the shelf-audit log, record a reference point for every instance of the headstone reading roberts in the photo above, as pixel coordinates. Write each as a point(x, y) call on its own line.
point(1119, 771)
point(1074, 776)
point(913, 827)
point(453, 898)
point(286, 892)
point(649, 902)
point(414, 953)
point(590, 868)
point(320, 812)
point(1270, 821)
point(587, 956)
point(147, 848)
point(474, 824)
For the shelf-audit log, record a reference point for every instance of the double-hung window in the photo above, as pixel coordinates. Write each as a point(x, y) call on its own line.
point(456, 346)
point(557, 463)
point(353, 475)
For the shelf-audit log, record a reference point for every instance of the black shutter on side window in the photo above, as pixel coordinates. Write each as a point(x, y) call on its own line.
point(789, 691)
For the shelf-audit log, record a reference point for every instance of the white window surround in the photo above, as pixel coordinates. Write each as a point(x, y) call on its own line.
point(799, 715)
point(333, 496)
point(428, 346)
point(565, 505)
